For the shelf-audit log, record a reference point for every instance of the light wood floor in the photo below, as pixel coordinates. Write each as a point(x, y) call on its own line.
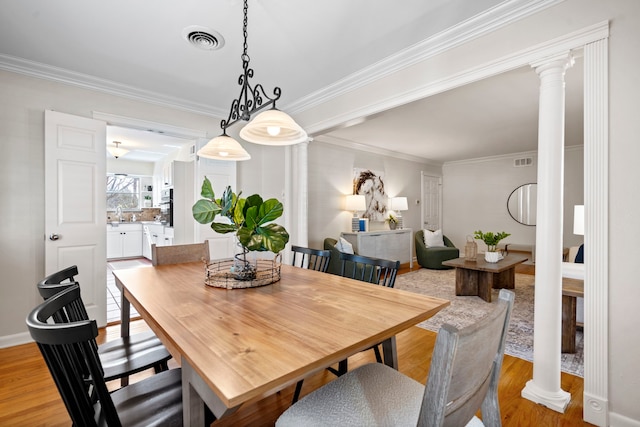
point(28, 396)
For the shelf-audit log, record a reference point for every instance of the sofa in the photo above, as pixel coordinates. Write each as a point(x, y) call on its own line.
point(432, 257)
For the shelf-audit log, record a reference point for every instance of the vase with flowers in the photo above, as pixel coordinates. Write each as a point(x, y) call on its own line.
point(249, 218)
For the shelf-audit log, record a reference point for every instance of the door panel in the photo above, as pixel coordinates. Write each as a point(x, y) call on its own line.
point(431, 201)
point(75, 204)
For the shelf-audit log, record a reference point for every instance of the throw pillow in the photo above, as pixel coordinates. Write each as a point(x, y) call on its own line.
point(344, 246)
point(433, 238)
point(580, 255)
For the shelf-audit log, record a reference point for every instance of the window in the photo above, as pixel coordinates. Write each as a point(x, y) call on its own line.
point(123, 191)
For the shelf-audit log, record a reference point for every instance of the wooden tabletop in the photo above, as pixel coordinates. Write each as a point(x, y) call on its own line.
point(509, 261)
point(248, 343)
point(572, 287)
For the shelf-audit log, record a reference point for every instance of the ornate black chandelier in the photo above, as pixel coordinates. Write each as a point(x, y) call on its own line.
point(270, 127)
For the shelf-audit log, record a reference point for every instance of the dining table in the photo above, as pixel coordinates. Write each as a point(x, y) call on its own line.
point(235, 345)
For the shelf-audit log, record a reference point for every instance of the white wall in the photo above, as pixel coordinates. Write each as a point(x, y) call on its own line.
point(331, 177)
point(23, 101)
point(476, 192)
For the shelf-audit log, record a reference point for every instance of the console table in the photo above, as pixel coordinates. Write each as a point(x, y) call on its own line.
point(385, 244)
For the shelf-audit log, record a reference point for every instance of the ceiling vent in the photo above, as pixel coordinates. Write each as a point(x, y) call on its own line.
point(523, 162)
point(203, 38)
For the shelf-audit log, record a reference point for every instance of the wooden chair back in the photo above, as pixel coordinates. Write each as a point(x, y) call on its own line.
point(465, 370)
point(368, 269)
point(313, 259)
point(176, 254)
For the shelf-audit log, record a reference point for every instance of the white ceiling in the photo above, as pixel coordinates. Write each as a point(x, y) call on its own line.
point(136, 48)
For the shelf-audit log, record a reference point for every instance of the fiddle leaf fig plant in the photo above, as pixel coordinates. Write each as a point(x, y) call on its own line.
point(490, 239)
point(250, 218)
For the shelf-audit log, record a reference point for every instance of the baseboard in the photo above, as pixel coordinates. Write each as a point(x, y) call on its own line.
point(622, 421)
point(16, 339)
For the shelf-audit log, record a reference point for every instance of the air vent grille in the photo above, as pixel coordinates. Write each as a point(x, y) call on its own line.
point(203, 38)
point(523, 162)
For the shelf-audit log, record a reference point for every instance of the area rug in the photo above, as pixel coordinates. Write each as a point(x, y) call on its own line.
point(465, 310)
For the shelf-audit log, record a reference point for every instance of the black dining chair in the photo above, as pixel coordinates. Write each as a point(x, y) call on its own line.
point(367, 269)
point(71, 354)
point(313, 259)
point(120, 357)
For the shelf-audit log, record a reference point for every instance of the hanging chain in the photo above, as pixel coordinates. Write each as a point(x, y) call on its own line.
point(245, 55)
point(250, 99)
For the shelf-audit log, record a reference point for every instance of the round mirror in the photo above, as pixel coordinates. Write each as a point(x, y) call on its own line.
point(521, 204)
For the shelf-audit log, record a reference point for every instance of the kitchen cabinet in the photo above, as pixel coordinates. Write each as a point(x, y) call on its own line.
point(159, 234)
point(385, 244)
point(167, 174)
point(124, 240)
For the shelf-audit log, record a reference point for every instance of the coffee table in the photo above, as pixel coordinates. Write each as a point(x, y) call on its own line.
point(479, 277)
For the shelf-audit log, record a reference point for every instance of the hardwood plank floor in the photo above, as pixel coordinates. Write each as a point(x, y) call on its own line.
point(28, 396)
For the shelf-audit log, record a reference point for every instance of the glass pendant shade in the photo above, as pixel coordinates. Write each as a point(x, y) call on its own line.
point(273, 127)
point(224, 147)
point(117, 151)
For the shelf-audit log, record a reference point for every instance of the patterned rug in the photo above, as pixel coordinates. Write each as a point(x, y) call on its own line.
point(465, 310)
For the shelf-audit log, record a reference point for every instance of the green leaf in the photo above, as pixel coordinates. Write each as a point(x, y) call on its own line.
point(205, 211)
point(221, 228)
point(251, 218)
point(207, 190)
point(238, 215)
point(274, 237)
point(269, 211)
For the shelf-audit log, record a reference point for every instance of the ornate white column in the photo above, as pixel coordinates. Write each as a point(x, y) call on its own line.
point(300, 192)
point(544, 388)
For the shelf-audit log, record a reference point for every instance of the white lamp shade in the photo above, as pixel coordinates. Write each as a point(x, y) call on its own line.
point(224, 147)
point(399, 204)
point(355, 202)
point(578, 220)
point(273, 127)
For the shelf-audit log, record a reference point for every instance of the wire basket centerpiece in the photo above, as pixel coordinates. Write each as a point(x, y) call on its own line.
point(251, 221)
point(231, 274)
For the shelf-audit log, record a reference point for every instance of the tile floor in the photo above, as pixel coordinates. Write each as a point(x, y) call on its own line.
point(113, 294)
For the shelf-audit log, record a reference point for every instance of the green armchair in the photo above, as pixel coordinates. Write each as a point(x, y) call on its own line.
point(335, 265)
point(432, 257)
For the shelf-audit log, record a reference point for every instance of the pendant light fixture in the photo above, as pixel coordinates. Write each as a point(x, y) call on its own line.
point(270, 127)
point(117, 151)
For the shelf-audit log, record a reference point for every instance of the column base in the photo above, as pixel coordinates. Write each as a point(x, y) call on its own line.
point(556, 401)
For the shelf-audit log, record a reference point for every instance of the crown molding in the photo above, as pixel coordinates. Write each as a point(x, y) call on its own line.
point(473, 28)
point(85, 81)
point(533, 153)
point(346, 143)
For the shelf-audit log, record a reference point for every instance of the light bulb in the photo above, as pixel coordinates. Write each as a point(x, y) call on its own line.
point(223, 153)
point(273, 130)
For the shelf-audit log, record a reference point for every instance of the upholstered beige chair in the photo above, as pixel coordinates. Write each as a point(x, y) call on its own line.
point(463, 378)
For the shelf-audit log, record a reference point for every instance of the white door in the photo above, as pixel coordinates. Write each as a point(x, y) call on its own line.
point(431, 202)
point(75, 204)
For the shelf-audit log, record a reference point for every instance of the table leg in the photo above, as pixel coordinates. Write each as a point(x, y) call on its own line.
point(505, 279)
point(485, 284)
point(569, 305)
point(195, 394)
point(466, 282)
point(390, 352)
point(125, 321)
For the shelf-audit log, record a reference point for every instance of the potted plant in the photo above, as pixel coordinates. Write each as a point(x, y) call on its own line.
point(393, 222)
point(491, 239)
point(147, 201)
point(250, 219)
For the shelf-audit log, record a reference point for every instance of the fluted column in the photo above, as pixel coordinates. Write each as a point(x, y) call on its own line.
point(300, 188)
point(544, 388)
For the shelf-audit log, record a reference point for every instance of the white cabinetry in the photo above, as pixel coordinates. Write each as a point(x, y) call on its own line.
point(385, 244)
point(158, 234)
point(124, 240)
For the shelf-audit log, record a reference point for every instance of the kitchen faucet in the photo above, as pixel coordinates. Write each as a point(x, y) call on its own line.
point(119, 213)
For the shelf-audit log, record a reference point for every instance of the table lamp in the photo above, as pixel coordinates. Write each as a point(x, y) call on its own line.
point(399, 204)
point(355, 203)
